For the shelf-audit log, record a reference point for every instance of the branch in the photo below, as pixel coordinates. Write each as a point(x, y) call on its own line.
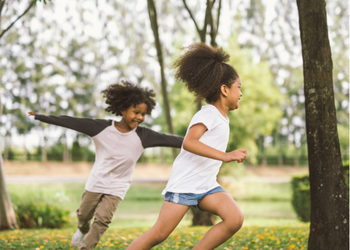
point(214, 30)
point(30, 5)
point(192, 17)
point(2, 3)
point(207, 18)
point(218, 18)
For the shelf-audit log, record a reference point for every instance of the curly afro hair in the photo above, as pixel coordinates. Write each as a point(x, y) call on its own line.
point(121, 96)
point(204, 70)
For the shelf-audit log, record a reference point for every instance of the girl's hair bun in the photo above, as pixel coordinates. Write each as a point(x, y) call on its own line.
point(221, 56)
point(203, 68)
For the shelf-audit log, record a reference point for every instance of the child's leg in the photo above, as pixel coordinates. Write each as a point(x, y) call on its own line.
point(86, 210)
point(223, 205)
point(169, 217)
point(103, 216)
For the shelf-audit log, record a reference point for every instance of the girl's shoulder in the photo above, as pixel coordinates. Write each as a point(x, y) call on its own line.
point(206, 110)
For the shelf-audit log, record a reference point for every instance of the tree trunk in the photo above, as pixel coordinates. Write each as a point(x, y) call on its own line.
point(24, 153)
point(329, 228)
point(296, 157)
point(65, 150)
point(7, 147)
point(7, 214)
point(43, 151)
point(154, 24)
point(201, 218)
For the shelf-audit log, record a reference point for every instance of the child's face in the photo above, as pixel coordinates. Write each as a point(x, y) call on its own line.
point(234, 95)
point(134, 116)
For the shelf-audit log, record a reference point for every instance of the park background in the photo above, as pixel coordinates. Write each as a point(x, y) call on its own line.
point(59, 56)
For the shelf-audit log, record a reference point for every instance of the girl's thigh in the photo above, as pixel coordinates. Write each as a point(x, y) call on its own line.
point(221, 204)
point(169, 217)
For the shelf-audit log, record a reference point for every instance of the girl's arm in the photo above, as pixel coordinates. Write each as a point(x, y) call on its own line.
point(192, 144)
point(88, 126)
point(150, 138)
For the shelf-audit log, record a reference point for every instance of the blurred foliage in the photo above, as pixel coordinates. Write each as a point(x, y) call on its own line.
point(37, 208)
point(301, 193)
point(40, 215)
point(58, 64)
point(301, 197)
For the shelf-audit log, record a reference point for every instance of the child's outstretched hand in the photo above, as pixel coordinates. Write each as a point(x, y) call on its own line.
point(238, 155)
point(31, 113)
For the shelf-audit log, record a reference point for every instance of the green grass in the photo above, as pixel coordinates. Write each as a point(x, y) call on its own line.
point(270, 222)
point(249, 237)
point(143, 201)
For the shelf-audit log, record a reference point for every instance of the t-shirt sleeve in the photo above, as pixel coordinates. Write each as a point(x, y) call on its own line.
point(150, 138)
point(88, 126)
point(207, 117)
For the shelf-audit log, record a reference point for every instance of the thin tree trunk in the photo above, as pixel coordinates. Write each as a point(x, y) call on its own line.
point(296, 157)
point(154, 24)
point(65, 149)
point(7, 147)
point(329, 228)
point(43, 151)
point(201, 218)
point(7, 214)
point(24, 153)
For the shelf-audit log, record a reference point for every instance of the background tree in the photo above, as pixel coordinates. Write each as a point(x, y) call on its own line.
point(152, 12)
point(201, 218)
point(7, 214)
point(329, 227)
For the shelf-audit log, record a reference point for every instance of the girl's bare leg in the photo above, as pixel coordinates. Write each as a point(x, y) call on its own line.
point(223, 205)
point(169, 217)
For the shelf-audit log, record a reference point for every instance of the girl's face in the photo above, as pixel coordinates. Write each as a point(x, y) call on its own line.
point(234, 95)
point(134, 116)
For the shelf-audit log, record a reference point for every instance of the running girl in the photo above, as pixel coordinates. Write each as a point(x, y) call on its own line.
point(193, 178)
point(118, 147)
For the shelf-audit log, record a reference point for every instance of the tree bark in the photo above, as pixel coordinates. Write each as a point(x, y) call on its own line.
point(329, 228)
point(152, 12)
point(7, 214)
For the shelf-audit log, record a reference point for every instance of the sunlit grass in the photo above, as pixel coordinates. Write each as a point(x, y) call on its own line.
point(270, 222)
point(184, 237)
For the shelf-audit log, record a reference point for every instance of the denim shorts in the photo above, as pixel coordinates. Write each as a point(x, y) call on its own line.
point(190, 199)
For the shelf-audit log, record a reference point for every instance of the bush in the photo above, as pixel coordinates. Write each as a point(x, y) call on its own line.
point(301, 197)
point(301, 193)
point(40, 215)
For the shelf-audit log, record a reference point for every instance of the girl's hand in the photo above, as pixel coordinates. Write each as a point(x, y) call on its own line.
point(238, 155)
point(31, 113)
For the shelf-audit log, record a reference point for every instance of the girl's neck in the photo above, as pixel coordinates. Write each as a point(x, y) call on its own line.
point(122, 127)
point(220, 105)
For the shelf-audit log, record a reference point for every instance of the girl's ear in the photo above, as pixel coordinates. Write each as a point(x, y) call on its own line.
point(223, 90)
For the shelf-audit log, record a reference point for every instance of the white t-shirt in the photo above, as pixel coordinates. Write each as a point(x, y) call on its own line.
point(196, 174)
point(116, 152)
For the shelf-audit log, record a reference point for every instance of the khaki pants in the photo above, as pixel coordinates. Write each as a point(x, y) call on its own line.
point(103, 206)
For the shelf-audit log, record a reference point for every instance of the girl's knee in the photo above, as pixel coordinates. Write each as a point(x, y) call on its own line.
point(235, 222)
point(159, 237)
point(162, 237)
